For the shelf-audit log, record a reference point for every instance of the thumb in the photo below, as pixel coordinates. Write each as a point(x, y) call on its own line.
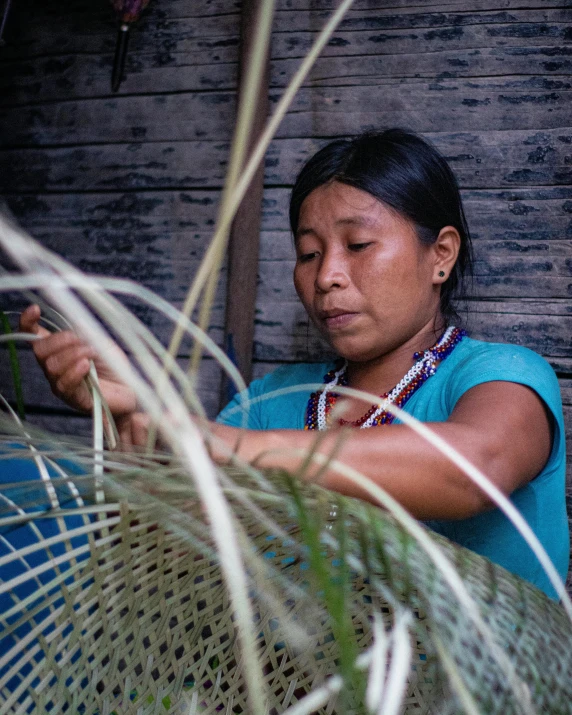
point(29, 321)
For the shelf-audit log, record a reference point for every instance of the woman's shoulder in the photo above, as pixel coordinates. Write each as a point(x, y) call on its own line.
point(290, 375)
point(477, 361)
point(495, 356)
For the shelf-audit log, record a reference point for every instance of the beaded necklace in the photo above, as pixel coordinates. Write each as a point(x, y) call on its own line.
point(322, 402)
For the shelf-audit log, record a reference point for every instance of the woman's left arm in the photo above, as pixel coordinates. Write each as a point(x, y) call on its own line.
point(503, 428)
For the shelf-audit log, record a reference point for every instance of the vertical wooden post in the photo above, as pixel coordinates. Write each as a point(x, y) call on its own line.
point(245, 232)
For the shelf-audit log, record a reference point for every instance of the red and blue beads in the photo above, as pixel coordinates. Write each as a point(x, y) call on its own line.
point(322, 402)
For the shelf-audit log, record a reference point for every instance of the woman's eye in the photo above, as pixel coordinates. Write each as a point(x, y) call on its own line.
point(359, 246)
point(305, 257)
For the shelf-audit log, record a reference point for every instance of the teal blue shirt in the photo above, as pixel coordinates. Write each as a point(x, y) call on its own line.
point(541, 501)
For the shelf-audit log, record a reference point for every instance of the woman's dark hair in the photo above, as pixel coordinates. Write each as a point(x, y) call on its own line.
point(406, 173)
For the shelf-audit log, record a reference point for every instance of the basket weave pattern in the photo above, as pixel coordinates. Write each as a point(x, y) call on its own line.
point(139, 621)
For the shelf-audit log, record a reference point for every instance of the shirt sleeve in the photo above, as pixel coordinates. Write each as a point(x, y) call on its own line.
point(510, 363)
point(244, 410)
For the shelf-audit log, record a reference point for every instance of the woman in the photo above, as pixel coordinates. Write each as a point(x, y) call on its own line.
point(382, 245)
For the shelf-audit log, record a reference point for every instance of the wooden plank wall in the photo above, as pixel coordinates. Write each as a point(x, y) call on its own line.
point(128, 184)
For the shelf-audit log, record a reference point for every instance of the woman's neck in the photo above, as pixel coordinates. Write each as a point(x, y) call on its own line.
point(381, 374)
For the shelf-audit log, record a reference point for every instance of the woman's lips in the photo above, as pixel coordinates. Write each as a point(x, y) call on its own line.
point(337, 321)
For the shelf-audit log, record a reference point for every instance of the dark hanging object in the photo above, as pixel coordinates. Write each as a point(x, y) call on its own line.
point(128, 12)
point(7, 4)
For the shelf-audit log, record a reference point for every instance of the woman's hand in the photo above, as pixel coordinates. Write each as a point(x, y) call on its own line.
point(65, 360)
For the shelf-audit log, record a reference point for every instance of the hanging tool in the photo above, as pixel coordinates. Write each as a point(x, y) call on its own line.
point(128, 11)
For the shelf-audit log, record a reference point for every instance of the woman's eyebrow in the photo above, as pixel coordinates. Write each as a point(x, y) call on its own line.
point(357, 221)
point(304, 232)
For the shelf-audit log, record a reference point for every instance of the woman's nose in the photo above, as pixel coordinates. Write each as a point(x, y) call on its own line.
point(331, 273)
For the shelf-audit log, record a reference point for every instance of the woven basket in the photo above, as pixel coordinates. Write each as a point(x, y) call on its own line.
point(113, 609)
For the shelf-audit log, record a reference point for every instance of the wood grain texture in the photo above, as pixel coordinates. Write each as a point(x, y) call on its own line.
point(498, 103)
point(181, 60)
point(487, 159)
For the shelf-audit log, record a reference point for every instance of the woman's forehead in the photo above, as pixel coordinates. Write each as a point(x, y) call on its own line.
point(342, 205)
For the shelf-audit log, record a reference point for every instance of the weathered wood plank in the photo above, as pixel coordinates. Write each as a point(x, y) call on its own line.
point(128, 213)
point(458, 63)
point(507, 158)
point(544, 334)
point(282, 332)
point(156, 322)
point(183, 116)
point(521, 306)
point(278, 246)
point(477, 104)
point(155, 249)
point(501, 270)
point(548, 258)
point(467, 32)
point(160, 325)
point(540, 213)
point(104, 167)
point(391, 11)
point(169, 278)
point(447, 105)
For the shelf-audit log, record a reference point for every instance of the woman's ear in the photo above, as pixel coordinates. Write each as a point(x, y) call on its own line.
point(446, 251)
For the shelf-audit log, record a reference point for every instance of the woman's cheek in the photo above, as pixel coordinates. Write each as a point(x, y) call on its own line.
point(303, 286)
point(373, 274)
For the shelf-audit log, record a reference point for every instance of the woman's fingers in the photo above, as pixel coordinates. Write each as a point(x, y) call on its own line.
point(62, 343)
point(133, 430)
point(63, 357)
point(55, 351)
point(65, 360)
point(70, 385)
point(62, 360)
point(140, 428)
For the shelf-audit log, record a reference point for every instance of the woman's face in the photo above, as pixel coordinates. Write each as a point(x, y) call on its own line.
point(365, 279)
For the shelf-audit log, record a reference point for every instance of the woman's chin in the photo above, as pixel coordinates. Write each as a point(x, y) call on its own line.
point(350, 351)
